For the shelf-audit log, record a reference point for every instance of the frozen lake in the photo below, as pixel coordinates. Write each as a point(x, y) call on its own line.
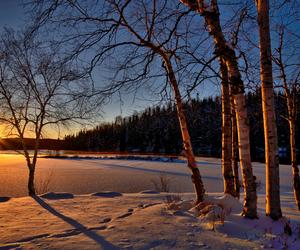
point(82, 176)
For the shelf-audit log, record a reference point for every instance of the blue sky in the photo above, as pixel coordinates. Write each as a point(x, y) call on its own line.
point(12, 14)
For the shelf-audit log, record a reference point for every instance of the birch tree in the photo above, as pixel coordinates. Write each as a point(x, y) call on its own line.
point(227, 170)
point(273, 208)
point(289, 74)
point(234, 148)
point(211, 14)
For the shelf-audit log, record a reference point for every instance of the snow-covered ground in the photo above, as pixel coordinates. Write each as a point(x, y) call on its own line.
point(131, 219)
point(82, 176)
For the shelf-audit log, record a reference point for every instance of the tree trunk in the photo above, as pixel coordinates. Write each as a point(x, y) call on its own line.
point(234, 153)
point(31, 187)
point(295, 169)
point(292, 116)
point(250, 197)
point(196, 177)
point(31, 170)
point(31, 163)
point(222, 49)
point(227, 172)
point(270, 131)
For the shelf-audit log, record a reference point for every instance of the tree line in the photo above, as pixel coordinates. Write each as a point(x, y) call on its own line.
point(156, 130)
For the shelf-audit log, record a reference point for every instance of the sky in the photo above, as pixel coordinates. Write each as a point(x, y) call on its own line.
point(12, 14)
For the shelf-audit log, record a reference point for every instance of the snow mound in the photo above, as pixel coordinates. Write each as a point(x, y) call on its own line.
point(4, 199)
point(211, 214)
point(57, 196)
point(107, 194)
point(280, 234)
point(227, 202)
point(217, 207)
point(213, 210)
point(149, 192)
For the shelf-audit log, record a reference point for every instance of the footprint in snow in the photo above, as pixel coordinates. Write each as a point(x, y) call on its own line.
point(124, 215)
point(128, 213)
point(105, 220)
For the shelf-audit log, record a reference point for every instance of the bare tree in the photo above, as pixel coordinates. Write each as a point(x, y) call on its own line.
point(143, 42)
point(211, 14)
point(290, 77)
point(38, 89)
point(164, 47)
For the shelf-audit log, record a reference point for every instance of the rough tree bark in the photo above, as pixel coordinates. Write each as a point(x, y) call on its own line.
point(31, 164)
point(234, 153)
point(187, 144)
point(222, 49)
point(31, 187)
point(228, 177)
point(270, 130)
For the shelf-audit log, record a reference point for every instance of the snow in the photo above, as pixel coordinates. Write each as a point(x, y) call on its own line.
point(69, 218)
point(83, 176)
point(133, 221)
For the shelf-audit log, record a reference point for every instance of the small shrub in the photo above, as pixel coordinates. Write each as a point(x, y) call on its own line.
point(173, 202)
point(162, 183)
point(42, 182)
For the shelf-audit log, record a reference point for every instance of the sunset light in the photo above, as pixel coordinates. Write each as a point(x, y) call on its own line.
point(146, 124)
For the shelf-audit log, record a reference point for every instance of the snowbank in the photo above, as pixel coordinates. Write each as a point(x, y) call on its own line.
point(136, 221)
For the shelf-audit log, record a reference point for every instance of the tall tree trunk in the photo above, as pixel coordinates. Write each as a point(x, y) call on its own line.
point(31, 169)
point(31, 163)
point(222, 49)
point(270, 131)
point(295, 169)
point(292, 116)
point(196, 176)
point(228, 177)
point(31, 187)
point(234, 153)
point(250, 197)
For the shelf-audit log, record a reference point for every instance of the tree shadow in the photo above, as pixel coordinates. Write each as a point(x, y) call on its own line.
point(135, 168)
point(77, 226)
